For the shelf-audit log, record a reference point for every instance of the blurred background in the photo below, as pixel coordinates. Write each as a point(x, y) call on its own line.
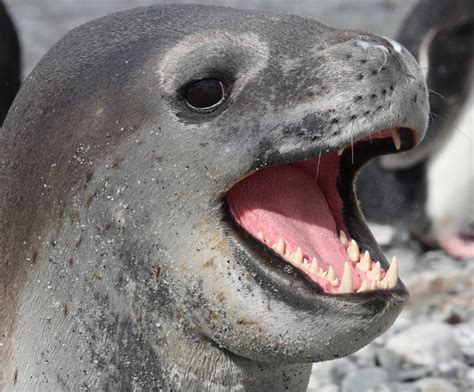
point(431, 345)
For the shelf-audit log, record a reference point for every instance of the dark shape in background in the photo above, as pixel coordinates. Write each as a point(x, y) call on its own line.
point(394, 189)
point(9, 62)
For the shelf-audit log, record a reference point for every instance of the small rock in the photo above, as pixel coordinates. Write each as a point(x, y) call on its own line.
point(403, 387)
point(464, 335)
point(412, 373)
point(426, 344)
point(388, 359)
point(330, 372)
point(365, 357)
point(433, 384)
point(368, 379)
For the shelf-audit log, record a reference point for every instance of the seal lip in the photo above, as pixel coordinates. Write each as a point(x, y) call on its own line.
point(276, 273)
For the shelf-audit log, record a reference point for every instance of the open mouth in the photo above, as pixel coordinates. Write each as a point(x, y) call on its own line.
point(305, 212)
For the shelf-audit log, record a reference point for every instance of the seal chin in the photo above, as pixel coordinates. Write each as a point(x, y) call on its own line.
point(302, 217)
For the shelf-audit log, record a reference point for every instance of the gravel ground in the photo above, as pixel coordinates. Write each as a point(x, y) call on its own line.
point(431, 346)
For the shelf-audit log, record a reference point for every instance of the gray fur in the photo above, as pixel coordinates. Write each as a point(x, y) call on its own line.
point(119, 272)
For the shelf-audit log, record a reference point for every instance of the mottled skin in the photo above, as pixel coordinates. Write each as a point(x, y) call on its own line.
point(118, 269)
point(9, 62)
point(440, 34)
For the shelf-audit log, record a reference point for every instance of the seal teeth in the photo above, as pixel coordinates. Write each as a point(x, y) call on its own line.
point(331, 274)
point(347, 285)
point(375, 273)
point(392, 274)
point(261, 236)
point(396, 138)
point(340, 151)
point(343, 238)
point(353, 251)
point(297, 257)
point(364, 263)
point(306, 264)
point(314, 267)
point(363, 287)
point(279, 247)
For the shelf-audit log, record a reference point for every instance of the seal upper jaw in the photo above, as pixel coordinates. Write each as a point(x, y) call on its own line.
point(302, 218)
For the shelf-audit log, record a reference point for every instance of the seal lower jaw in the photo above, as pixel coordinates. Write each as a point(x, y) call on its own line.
point(304, 216)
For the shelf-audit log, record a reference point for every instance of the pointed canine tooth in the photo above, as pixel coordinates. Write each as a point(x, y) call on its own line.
point(340, 151)
point(396, 138)
point(331, 274)
point(363, 287)
point(297, 257)
point(347, 285)
point(261, 236)
point(314, 267)
point(392, 274)
point(279, 247)
point(364, 263)
point(353, 251)
point(375, 272)
point(343, 238)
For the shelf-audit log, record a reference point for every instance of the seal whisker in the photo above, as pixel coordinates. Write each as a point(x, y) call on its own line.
point(438, 94)
point(454, 126)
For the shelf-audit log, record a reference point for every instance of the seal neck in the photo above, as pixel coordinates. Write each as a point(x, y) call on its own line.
point(198, 364)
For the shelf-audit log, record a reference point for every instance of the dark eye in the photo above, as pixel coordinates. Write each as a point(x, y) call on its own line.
point(206, 94)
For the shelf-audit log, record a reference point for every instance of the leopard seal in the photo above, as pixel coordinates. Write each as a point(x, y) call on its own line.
point(177, 201)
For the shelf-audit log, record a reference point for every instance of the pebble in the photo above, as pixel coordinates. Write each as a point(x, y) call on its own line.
point(433, 384)
point(426, 344)
point(368, 379)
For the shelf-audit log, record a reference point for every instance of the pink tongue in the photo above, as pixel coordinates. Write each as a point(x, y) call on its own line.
point(287, 202)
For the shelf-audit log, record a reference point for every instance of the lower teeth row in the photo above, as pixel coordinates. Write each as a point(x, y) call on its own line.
point(362, 262)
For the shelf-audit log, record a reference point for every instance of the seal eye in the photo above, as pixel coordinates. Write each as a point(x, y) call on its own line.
point(206, 94)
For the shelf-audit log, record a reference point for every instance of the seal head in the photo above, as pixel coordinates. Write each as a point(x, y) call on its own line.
point(159, 156)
